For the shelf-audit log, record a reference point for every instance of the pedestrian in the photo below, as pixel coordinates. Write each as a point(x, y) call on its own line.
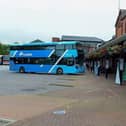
point(95, 68)
point(84, 65)
point(121, 68)
point(87, 66)
point(92, 66)
point(106, 68)
point(99, 67)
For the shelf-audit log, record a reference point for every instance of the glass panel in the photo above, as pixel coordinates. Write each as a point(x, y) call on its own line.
point(60, 46)
point(50, 47)
point(63, 62)
point(74, 46)
point(59, 53)
point(47, 61)
point(38, 47)
point(70, 62)
point(68, 47)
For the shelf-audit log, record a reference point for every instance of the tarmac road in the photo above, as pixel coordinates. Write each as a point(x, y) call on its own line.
point(12, 83)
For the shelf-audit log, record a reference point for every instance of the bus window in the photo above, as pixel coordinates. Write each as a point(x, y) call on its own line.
point(59, 47)
point(59, 53)
point(68, 46)
point(50, 47)
point(63, 61)
point(70, 62)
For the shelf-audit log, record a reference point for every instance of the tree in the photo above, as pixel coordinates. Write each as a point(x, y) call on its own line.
point(4, 49)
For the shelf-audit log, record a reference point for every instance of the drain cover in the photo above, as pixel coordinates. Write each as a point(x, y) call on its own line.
point(6, 122)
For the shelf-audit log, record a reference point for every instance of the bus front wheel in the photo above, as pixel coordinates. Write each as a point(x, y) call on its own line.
point(22, 70)
point(59, 71)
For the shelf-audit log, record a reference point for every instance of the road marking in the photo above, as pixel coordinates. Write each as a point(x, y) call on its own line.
point(6, 122)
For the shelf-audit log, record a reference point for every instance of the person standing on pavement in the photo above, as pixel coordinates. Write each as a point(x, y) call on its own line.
point(106, 68)
point(92, 66)
point(99, 67)
point(121, 68)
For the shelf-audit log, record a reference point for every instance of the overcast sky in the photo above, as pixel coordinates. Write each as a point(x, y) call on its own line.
point(26, 20)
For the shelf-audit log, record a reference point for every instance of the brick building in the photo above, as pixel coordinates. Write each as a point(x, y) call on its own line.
point(55, 39)
point(120, 26)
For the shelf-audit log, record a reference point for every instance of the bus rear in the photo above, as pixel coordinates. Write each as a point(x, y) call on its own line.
point(4, 59)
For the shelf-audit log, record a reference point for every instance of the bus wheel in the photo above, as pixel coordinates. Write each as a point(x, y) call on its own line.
point(22, 70)
point(59, 71)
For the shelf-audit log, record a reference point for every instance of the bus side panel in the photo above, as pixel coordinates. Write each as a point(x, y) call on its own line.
point(37, 68)
point(69, 69)
point(71, 53)
point(30, 68)
point(29, 53)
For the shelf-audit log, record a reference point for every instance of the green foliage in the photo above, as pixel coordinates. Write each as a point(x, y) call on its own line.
point(4, 49)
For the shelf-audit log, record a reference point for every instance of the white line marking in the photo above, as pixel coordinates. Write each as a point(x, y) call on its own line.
point(14, 54)
point(57, 61)
point(51, 53)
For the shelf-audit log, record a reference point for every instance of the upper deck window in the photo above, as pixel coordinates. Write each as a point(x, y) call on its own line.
point(68, 46)
point(60, 47)
point(38, 47)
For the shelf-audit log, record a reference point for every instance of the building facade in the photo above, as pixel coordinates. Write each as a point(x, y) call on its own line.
point(120, 26)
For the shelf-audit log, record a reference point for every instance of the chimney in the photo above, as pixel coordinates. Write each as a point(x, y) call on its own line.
point(55, 39)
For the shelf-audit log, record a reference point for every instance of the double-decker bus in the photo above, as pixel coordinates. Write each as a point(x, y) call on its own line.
point(4, 59)
point(47, 57)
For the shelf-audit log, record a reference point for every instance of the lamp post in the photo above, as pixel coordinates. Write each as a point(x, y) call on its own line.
point(119, 5)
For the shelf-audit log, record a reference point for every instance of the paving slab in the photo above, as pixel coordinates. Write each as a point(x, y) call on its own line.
point(20, 107)
point(98, 102)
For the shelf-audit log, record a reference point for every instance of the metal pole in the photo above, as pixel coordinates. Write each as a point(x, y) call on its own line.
point(119, 5)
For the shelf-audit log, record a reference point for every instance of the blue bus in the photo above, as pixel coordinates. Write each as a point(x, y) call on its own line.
point(47, 57)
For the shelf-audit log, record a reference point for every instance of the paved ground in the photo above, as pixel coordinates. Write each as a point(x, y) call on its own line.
point(12, 83)
point(20, 107)
point(23, 95)
point(87, 101)
point(93, 101)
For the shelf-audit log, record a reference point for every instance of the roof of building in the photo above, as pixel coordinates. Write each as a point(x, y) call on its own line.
point(114, 41)
point(81, 38)
point(121, 15)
